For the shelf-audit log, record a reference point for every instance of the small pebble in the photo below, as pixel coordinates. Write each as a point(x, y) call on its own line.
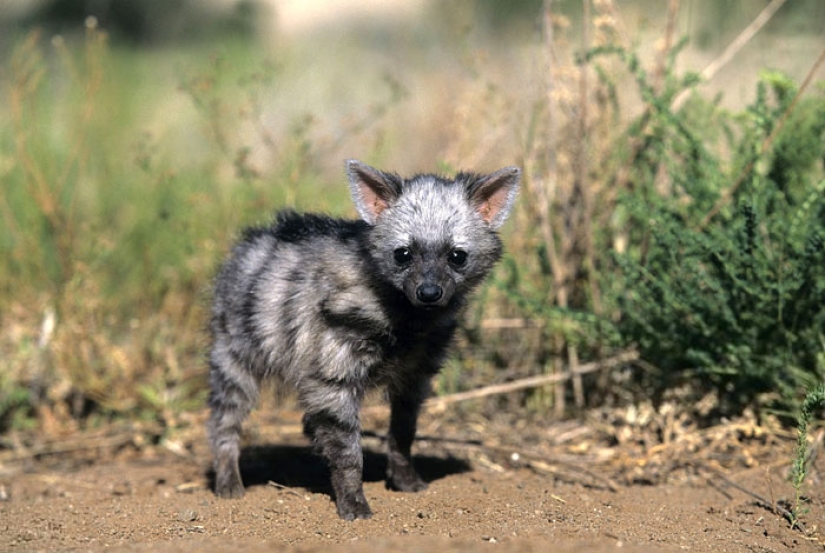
point(187, 515)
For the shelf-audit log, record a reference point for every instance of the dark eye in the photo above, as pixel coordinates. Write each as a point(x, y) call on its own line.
point(458, 258)
point(402, 256)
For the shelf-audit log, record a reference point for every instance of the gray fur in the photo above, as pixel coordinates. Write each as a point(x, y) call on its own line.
point(334, 307)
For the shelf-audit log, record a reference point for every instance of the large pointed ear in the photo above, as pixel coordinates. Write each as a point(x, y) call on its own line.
point(372, 190)
point(493, 195)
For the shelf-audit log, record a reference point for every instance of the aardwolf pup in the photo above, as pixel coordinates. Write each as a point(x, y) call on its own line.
point(333, 307)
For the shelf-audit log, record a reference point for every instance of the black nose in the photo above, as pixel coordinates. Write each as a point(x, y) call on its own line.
point(429, 293)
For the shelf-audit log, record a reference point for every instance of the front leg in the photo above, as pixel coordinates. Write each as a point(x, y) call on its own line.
point(405, 404)
point(335, 429)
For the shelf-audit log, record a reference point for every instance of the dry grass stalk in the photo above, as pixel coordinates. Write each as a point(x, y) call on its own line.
point(564, 196)
point(766, 144)
point(582, 190)
point(508, 323)
point(47, 185)
point(670, 29)
point(544, 190)
point(624, 173)
point(611, 18)
point(733, 48)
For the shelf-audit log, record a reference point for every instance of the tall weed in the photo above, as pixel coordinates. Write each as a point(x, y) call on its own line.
point(814, 401)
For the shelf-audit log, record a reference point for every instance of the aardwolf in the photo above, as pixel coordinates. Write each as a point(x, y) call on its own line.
point(333, 307)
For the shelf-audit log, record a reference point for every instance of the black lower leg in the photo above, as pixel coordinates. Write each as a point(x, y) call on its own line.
point(401, 474)
point(340, 444)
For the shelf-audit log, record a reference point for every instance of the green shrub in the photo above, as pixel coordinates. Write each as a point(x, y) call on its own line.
point(733, 302)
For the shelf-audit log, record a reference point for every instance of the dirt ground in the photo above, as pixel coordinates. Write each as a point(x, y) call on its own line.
point(508, 485)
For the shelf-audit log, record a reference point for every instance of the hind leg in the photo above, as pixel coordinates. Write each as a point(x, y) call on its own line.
point(234, 392)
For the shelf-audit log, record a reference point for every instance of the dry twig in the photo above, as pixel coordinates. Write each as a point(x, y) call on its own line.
point(530, 382)
point(770, 505)
point(733, 48)
point(766, 144)
point(559, 465)
point(83, 443)
point(287, 489)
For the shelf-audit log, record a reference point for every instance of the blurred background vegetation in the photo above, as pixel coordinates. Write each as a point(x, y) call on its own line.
point(672, 203)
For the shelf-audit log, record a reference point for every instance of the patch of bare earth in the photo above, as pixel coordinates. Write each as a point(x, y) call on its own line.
point(502, 485)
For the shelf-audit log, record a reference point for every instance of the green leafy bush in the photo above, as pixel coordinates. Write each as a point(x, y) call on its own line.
point(723, 286)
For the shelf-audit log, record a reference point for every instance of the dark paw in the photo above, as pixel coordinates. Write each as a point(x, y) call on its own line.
point(353, 507)
point(229, 487)
point(404, 479)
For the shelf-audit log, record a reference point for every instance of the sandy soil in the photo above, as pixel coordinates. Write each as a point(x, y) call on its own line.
point(510, 487)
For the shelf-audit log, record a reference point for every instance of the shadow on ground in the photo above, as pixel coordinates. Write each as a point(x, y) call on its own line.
point(298, 467)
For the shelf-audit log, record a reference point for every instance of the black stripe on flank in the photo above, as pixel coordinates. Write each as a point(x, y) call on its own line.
point(249, 306)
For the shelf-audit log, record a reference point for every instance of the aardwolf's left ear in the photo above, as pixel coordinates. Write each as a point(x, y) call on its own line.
point(493, 195)
point(372, 190)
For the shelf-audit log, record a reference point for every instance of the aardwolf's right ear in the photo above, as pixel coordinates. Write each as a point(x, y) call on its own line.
point(372, 190)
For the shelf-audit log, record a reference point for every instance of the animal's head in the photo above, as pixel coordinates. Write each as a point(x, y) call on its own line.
point(431, 237)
